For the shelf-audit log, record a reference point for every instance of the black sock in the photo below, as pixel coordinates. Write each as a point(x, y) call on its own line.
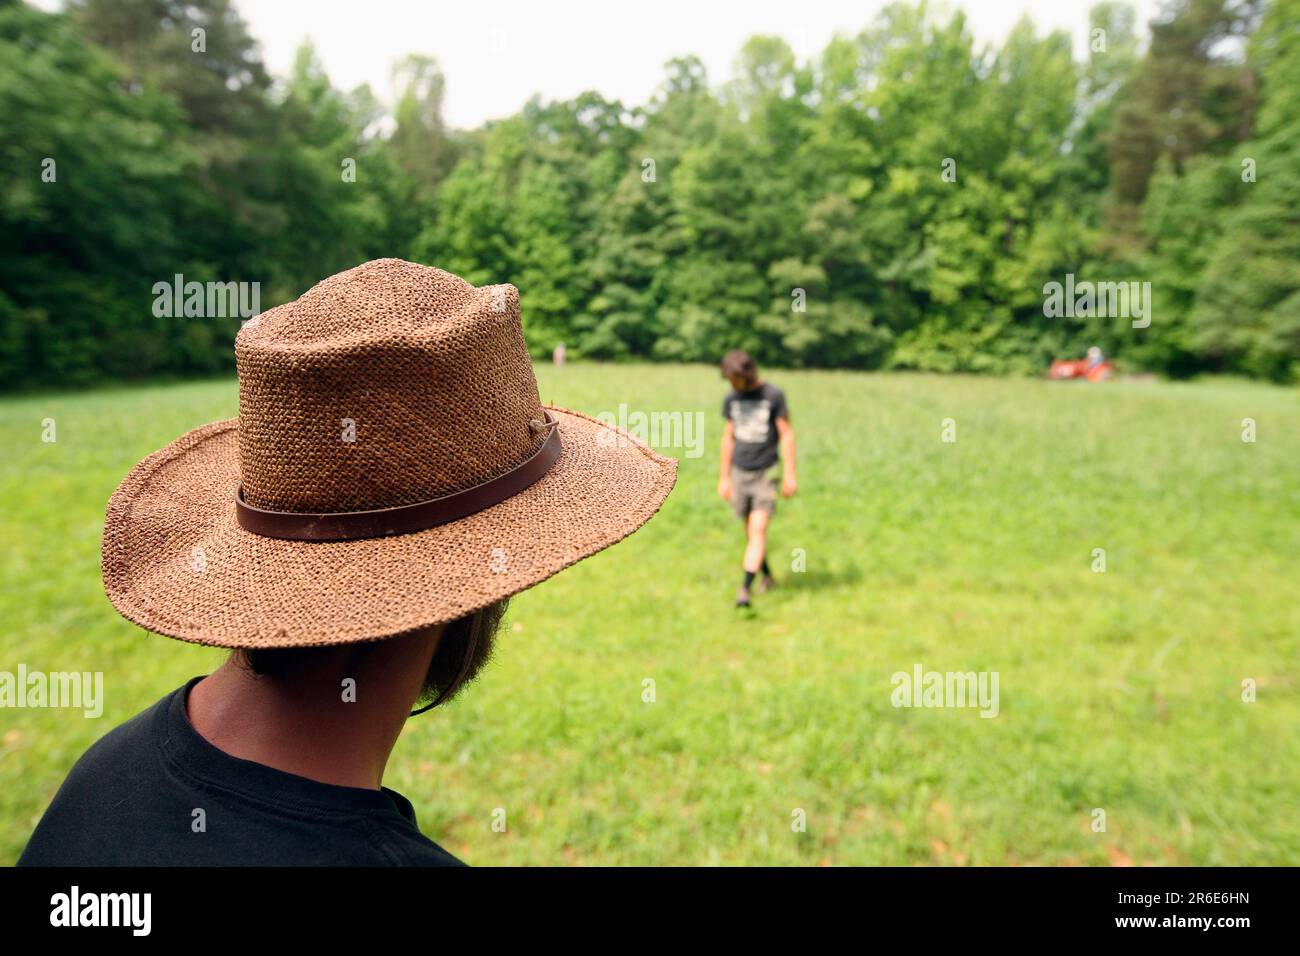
point(767, 573)
point(749, 579)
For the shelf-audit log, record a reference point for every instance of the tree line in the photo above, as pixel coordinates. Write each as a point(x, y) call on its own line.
point(901, 200)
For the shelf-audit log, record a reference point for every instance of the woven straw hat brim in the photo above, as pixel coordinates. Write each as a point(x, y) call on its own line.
point(176, 562)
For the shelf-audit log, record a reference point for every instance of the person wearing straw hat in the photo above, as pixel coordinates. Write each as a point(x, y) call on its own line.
point(352, 537)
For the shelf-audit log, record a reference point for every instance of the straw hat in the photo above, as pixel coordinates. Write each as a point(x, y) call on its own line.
point(392, 467)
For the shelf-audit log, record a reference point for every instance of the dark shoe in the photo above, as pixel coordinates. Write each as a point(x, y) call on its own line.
point(742, 597)
point(766, 584)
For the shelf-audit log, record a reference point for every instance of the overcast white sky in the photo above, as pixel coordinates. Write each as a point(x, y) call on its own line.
point(497, 53)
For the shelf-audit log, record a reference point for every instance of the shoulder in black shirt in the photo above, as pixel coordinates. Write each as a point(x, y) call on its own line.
point(153, 792)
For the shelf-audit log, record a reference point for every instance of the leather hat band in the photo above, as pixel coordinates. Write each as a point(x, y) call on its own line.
point(383, 522)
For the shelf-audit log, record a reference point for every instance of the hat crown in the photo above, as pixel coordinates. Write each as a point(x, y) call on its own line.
point(385, 385)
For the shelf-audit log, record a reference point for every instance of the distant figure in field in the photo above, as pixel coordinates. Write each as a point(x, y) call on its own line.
point(557, 357)
point(757, 419)
point(1093, 368)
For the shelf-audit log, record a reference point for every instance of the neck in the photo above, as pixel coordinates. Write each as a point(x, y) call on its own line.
point(305, 722)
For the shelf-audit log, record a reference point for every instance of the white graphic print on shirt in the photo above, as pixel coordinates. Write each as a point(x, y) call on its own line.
point(751, 419)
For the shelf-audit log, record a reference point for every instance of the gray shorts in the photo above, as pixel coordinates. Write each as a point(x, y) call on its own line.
point(752, 491)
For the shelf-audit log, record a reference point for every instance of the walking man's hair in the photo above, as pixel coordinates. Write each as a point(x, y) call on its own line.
point(739, 364)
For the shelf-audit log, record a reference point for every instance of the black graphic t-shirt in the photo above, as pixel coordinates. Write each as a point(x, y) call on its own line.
point(753, 416)
point(153, 792)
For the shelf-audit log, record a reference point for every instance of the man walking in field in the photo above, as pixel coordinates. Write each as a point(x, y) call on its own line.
point(757, 420)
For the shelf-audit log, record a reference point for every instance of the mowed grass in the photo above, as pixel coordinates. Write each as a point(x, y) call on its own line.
point(1119, 691)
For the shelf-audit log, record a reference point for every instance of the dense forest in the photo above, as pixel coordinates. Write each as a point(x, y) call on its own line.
point(898, 201)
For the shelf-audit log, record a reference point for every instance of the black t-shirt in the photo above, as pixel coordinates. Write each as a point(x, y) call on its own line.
point(136, 796)
point(753, 416)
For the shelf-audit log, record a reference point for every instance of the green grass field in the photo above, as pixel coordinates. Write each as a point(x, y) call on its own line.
point(1119, 690)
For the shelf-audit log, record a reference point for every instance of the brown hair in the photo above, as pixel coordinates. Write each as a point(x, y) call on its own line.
point(739, 364)
point(463, 649)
